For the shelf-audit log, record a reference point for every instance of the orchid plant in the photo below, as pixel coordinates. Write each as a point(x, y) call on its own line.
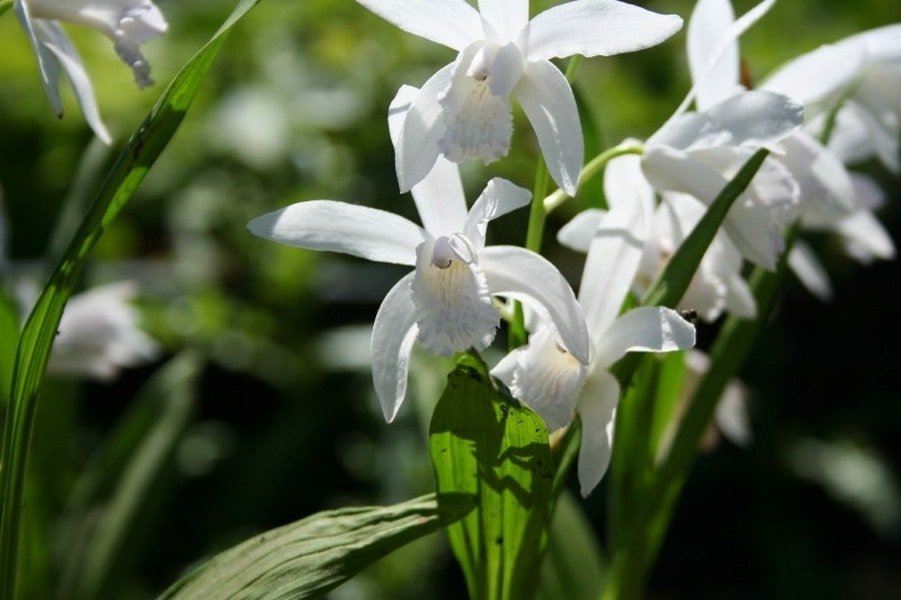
point(686, 239)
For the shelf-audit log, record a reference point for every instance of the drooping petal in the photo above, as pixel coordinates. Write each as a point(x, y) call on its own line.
point(597, 28)
point(128, 23)
point(519, 274)
point(506, 17)
point(498, 198)
point(454, 310)
point(416, 147)
point(333, 226)
point(393, 334)
point(54, 49)
point(549, 104)
point(810, 271)
point(714, 81)
point(597, 408)
point(740, 300)
point(452, 23)
point(865, 237)
point(612, 262)
point(544, 376)
point(645, 329)
point(578, 233)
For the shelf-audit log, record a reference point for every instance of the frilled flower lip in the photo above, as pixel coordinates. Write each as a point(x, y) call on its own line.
point(128, 23)
point(523, 68)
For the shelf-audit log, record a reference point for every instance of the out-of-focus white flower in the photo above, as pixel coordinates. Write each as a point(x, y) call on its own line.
point(862, 73)
point(852, 72)
point(128, 23)
point(716, 286)
point(464, 111)
point(99, 335)
point(547, 378)
point(445, 303)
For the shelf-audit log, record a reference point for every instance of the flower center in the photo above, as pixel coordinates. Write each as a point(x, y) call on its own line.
point(453, 305)
point(479, 119)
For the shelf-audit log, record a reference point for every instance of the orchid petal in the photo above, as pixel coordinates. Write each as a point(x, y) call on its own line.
point(597, 409)
point(548, 102)
point(544, 376)
point(740, 301)
point(826, 186)
point(452, 23)
point(440, 200)
point(128, 23)
point(416, 147)
point(612, 262)
point(813, 76)
point(749, 224)
point(726, 41)
point(498, 198)
point(597, 28)
point(645, 329)
point(865, 237)
point(393, 333)
point(439, 196)
point(50, 40)
point(506, 17)
point(751, 118)
point(578, 233)
point(340, 227)
point(522, 275)
point(810, 271)
point(714, 81)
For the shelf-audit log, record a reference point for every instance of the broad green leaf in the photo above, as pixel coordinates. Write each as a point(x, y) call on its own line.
point(485, 444)
point(118, 488)
point(132, 165)
point(308, 558)
point(571, 568)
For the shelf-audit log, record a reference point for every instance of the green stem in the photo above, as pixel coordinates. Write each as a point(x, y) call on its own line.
point(732, 346)
point(590, 170)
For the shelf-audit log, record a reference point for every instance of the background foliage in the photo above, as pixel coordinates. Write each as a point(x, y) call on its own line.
point(284, 421)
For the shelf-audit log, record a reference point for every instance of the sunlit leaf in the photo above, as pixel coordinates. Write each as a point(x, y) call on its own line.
point(485, 444)
point(131, 167)
point(307, 558)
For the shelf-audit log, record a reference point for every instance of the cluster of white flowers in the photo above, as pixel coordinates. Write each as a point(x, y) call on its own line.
point(463, 112)
point(818, 114)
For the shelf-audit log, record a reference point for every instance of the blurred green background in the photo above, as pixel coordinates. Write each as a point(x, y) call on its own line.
point(284, 422)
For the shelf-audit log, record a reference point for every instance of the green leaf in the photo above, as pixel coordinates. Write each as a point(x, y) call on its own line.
point(487, 445)
point(107, 513)
point(9, 333)
point(132, 165)
point(572, 564)
point(308, 558)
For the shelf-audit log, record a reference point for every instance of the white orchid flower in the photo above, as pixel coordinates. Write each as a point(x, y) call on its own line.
point(464, 111)
point(446, 302)
point(556, 385)
point(863, 73)
point(99, 335)
point(830, 198)
point(128, 23)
